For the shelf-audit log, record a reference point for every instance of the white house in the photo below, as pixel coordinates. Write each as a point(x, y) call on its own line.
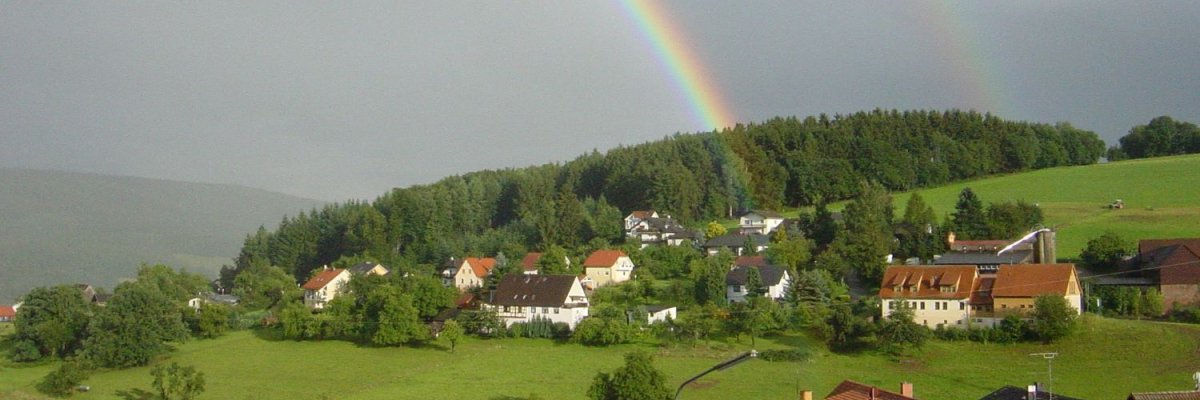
point(212, 298)
point(959, 296)
point(468, 272)
point(659, 313)
point(634, 218)
point(606, 267)
point(759, 221)
point(522, 298)
point(736, 243)
point(774, 278)
point(324, 286)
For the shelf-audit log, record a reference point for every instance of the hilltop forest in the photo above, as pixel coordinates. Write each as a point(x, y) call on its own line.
point(783, 162)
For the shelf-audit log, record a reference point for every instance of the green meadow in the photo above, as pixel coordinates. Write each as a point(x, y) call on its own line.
point(1105, 359)
point(1162, 199)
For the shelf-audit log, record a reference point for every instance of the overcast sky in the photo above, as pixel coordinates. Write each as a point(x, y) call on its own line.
point(339, 100)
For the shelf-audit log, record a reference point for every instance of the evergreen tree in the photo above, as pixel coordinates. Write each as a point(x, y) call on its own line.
point(869, 232)
point(968, 220)
point(754, 284)
point(553, 262)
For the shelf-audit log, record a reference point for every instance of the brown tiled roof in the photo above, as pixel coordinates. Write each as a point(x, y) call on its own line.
point(851, 390)
point(320, 280)
point(533, 290)
point(1031, 280)
point(750, 261)
point(481, 266)
point(1148, 245)
point(642, 214)
point(530, 261)
point(7, 311)
point(982, 292)
point(603, 258)
point(1177, 395)
point(929, 281)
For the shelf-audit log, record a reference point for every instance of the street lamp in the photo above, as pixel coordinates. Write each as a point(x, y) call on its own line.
point(722, 366)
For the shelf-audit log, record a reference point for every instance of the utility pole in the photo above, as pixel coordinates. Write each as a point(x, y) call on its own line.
point(1049, 371)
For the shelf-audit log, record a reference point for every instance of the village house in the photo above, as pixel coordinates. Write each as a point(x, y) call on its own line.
point(1034, 248)
point(324, 286)
point(1174, 266)
point(736, 243)
point(369, 268)
point(759, 221)
point(659, 313)
point(775, 280)
point(212, 298)
point(468, 272)
point(851, 390)
point(605, 267)
point(522, 298)
point(1031, 392)
point(8, 313)
point(958, 296)
point(636, 218)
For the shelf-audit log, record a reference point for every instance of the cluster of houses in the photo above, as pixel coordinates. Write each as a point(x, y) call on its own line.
point(851, 390)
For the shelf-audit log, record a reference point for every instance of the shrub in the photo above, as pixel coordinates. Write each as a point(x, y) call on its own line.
point(784, 355)
point(61, 381)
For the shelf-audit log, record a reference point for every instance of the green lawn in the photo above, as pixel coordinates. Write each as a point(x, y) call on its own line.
point(1162, 198)
point(1107, 359)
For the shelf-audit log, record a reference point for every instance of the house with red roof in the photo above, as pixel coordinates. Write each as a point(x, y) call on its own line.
point(468, 272)
point(8, 313)
point(1174, 265)
point(637, 217)
point(324, 286)
point(605, 267)
point(529, 263)
point(851, 390)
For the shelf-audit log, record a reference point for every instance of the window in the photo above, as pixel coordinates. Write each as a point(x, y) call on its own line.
point(962, 306)
point(922, 305)
point(545, 310)
point(891, 305)
point(945, 305)
point(1004, 306)
point(533, 310)
point(556, 310)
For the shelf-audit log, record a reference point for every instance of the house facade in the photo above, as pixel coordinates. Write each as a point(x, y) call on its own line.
point(774, 278)
point(759, 221)
point(1174, 266)
point(8, 313)
point(324, 287)
point(468, 272)
point(606, 267)
point(635, 218)
point(523, 298)
point(659, 313)
point(959, 296)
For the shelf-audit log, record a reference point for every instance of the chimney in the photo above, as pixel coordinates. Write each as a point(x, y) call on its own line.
point(874, 395)
point(950, 240)
point(806, 395)
point(906, 389)
point(1032, 390)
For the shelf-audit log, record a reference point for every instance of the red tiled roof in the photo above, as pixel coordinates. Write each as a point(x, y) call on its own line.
point(530, 261)
point(1031, 280)
point(7, 311)
point(929, 280)
point(851, 390)
point(1174, 395)
point(750, 261)
point(982, 292)
point(642, 214)
point(320, 280)
point(481, 266)
point(603, 258)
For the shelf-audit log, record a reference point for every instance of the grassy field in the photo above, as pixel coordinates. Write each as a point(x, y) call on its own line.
point(1106, 359)
point(1162, 198)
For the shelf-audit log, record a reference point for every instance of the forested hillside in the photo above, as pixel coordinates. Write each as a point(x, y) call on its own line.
point(63, 227)
point(694, 177)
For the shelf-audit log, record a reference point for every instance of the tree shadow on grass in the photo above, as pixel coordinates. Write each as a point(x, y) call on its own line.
point(135, 394)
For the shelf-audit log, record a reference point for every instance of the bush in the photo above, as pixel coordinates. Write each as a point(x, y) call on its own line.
point(1188, 314)
point(597, 331)
point(784, 355)
point(63, 380)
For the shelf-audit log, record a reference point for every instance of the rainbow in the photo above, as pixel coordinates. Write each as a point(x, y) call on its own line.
point(978, 74)
point(697, 86)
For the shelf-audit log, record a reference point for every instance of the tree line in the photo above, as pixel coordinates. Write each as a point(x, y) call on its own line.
point(1163, 136)
point(778, 163)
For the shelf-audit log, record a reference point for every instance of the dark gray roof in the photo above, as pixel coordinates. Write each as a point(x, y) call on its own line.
point(1016, 393)
point(984, 258)
point(224, 298)
point(737, 240)
point(364, 268)
point(771, 275)
point(533, 290)
point(653, 308)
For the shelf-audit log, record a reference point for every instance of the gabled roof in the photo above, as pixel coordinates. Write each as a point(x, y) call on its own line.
point(529, 263)
point(851, 390)
point(979, 245)
point(1177, 260)
point(749, 261)
point(930, 281)
point(364, 268)
point(533, 290)
point(481, 265)
point(1148, 245)
point(653, 308)
point(603, 258)
point(323, 278)
point(1016, 393)
point(640, 214)
point(1174, 395)
point(7, 311)
point(771, 275)
point(737, 240)
point(1032, 280)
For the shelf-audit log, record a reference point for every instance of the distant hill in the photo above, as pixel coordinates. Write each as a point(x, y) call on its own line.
point(64, 227)
point(1161, 195)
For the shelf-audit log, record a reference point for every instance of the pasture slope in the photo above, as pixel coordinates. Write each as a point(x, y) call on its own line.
point(1105, 359)
point(1162, 198)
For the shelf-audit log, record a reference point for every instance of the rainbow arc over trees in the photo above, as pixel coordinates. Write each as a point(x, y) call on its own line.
point(671, 47)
